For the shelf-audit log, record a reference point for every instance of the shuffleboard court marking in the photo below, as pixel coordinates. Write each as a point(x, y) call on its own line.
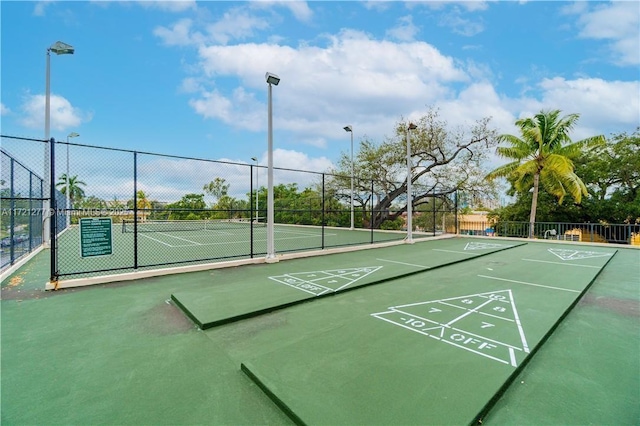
point(487, 324)
point(404, 263)
point(565, 254)
point(321, 282)
point(561, 263)
point(484, 246)
point(531, 284)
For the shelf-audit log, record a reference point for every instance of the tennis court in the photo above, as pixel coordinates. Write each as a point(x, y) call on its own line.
point(162, 244)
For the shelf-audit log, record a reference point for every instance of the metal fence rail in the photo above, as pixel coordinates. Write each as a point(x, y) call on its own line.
point(582, 232)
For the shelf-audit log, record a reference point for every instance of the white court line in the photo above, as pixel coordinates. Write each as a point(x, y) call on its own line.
point(469, 312)
point(481, 313)
point(526, 283)
point(241, 242)
point(512, 356)
point(560, 263)
point(523, 338)
point(404, 263)
point(353, 281)
point(306, 234)
point(161, 242)
point(445, 325)
point(183, 239)
point(453, 251)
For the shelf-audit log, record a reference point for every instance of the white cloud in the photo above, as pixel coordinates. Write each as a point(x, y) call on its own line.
point(63, 114)
point(378, 5)
point(617, 22)
point(236, 24)
point(300, 9)
point(469, 5)
point(169, 5)
point(40, 7)
point(179, 34)
point(405, 30)
point(299, 161)
point(604, 106)
point(4, 110)
point(460, 25)
point(353, 75)
point(240, 110)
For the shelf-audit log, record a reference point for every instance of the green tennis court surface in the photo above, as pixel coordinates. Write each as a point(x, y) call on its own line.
point(169, 243)
point(244, 292)
point(430, 348)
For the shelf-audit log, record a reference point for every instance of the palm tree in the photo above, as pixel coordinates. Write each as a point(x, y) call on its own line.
point(543, 156)
point(75, 192)
point(143, 204)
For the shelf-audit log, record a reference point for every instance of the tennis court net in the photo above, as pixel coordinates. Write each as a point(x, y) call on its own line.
point(191, 225)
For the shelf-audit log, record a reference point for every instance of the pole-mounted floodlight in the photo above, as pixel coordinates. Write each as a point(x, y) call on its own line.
point(409, 238)
point(350, 130)
point(257, 186)
point(272, 80)
point(59, 48)
point(70, 135)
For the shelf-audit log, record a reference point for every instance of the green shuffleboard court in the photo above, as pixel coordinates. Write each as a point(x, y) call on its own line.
point(249, 291)
point(435, 347)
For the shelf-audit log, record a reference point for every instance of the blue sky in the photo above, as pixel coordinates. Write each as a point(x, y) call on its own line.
point(187, 78)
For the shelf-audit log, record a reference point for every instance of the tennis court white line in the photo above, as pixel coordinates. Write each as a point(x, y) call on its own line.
point(183, 239)
point(560, 263)
point(453, 251)
point(526, 283)
point(224, 242)
point(158, 241)
point(404, 263)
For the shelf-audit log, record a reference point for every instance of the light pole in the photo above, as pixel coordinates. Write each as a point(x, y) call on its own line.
point(409, 239)
point(272, 79)
point(350, 130)
point(59, 48)
point(257, 186)
point(68, 210)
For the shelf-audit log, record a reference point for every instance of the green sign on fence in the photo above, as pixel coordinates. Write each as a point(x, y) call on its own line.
point(95, 237)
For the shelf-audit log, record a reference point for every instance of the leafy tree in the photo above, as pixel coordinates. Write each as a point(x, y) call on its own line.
point(190, 206)
point(143, 204)
point(76, 193)
point(217, 188)
point(92, 202)
point(543, 156)
point(116, 204)
point(443, 161)
point(611, 173)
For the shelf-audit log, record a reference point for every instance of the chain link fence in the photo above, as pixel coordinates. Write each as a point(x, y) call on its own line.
point(23, 194)
point(117, 210)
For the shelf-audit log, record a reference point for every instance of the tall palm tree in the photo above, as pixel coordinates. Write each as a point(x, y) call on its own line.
point(76, 193)
point(544, 156)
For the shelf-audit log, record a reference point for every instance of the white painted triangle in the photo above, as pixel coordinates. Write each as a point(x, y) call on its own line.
point(567, 254)
point(486, 324)
point(325, 281)
point(484, 246)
